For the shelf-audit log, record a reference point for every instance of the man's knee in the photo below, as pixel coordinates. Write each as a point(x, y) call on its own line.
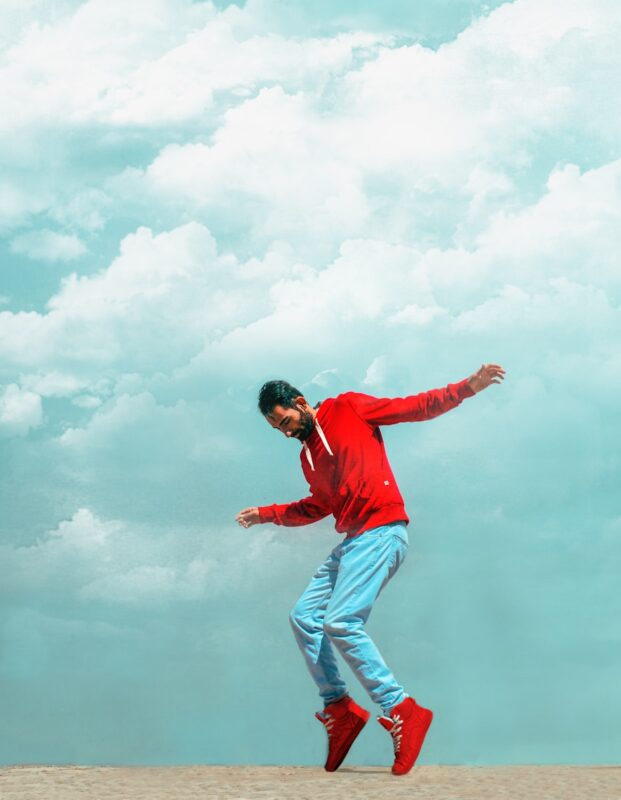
point(337, 626)
point(301, 619)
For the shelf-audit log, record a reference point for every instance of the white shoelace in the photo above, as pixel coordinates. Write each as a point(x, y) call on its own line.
point(328, 721)
point(395, 732)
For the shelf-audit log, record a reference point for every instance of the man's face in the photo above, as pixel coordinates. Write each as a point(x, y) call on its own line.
point(296, 422)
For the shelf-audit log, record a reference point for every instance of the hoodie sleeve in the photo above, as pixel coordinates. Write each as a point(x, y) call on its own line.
point(302, 512)
point(414, 408)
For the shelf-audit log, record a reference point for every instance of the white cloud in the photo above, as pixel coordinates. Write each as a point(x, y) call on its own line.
point(144, 583)
point(113, 562)
point(146, 268)
point(16, 15)
point(17, 204)
point(159, 91)
point(86, 401)
point(46, 245)
point(84, 532)
point(173, 454)
point(272, 158)
point(401, 130)
point(150, 428)
point(153, 63)
point(376, 372)
point(167, 288)
point(103, 67)
point(324, 377)
point(56, 384)
point(95, 559)
point(554, 315)
point(170, 299)
point(86, 210)
point(413, 314)
point(575, 227)
point(20, 410)
point(341, 137)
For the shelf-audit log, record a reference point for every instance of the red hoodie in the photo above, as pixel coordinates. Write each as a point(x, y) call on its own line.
point(344, 459)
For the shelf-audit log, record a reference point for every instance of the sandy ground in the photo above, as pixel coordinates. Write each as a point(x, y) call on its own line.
point(310, 783)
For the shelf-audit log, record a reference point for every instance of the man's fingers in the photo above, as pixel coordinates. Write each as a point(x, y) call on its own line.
point(247, 517)
point(492, 370)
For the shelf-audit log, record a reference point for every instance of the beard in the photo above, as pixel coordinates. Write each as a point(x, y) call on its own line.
point(307, 424)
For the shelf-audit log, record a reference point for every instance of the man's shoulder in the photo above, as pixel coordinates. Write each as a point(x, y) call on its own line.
point(338, 398)
point(337, 403)
point(348, 397)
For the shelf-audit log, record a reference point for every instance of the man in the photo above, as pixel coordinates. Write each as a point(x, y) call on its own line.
point(345, 463)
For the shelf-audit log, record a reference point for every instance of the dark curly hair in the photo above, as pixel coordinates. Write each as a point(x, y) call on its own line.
point(277, 393)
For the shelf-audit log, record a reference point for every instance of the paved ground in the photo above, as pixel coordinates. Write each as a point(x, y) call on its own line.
point(310, 783)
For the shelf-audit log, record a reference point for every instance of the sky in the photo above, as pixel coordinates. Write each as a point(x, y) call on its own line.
point(197, 197)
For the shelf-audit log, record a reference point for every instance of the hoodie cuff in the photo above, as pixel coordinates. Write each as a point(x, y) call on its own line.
point(266, 514)
point(463, 389)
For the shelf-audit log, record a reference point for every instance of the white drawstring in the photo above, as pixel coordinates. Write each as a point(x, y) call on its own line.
point(323, 439)
point(308, 456)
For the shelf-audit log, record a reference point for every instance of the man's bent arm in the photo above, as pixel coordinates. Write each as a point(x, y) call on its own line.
point(414, 408)
point(302, 512)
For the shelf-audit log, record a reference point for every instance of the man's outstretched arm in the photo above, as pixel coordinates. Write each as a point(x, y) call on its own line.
point(301, 512)
point(426, 405)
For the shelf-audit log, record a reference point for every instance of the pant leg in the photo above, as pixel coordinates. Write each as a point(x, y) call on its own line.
point(367, 563)
point(306, 620)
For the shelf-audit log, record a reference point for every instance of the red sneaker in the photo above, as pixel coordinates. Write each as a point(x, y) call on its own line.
point(408, 724)
point(344, 719)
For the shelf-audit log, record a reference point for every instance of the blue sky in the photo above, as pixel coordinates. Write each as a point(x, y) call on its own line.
point(196, 198)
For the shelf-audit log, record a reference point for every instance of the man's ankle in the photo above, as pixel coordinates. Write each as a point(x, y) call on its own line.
point(338, 700)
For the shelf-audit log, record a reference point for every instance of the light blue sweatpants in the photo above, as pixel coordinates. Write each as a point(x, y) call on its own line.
point(335, 606)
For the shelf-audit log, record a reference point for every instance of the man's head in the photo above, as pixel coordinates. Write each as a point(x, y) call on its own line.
point(286, 409)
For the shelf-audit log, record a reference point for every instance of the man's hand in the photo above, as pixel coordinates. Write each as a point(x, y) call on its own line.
point(248, 517)
point(489, 373)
